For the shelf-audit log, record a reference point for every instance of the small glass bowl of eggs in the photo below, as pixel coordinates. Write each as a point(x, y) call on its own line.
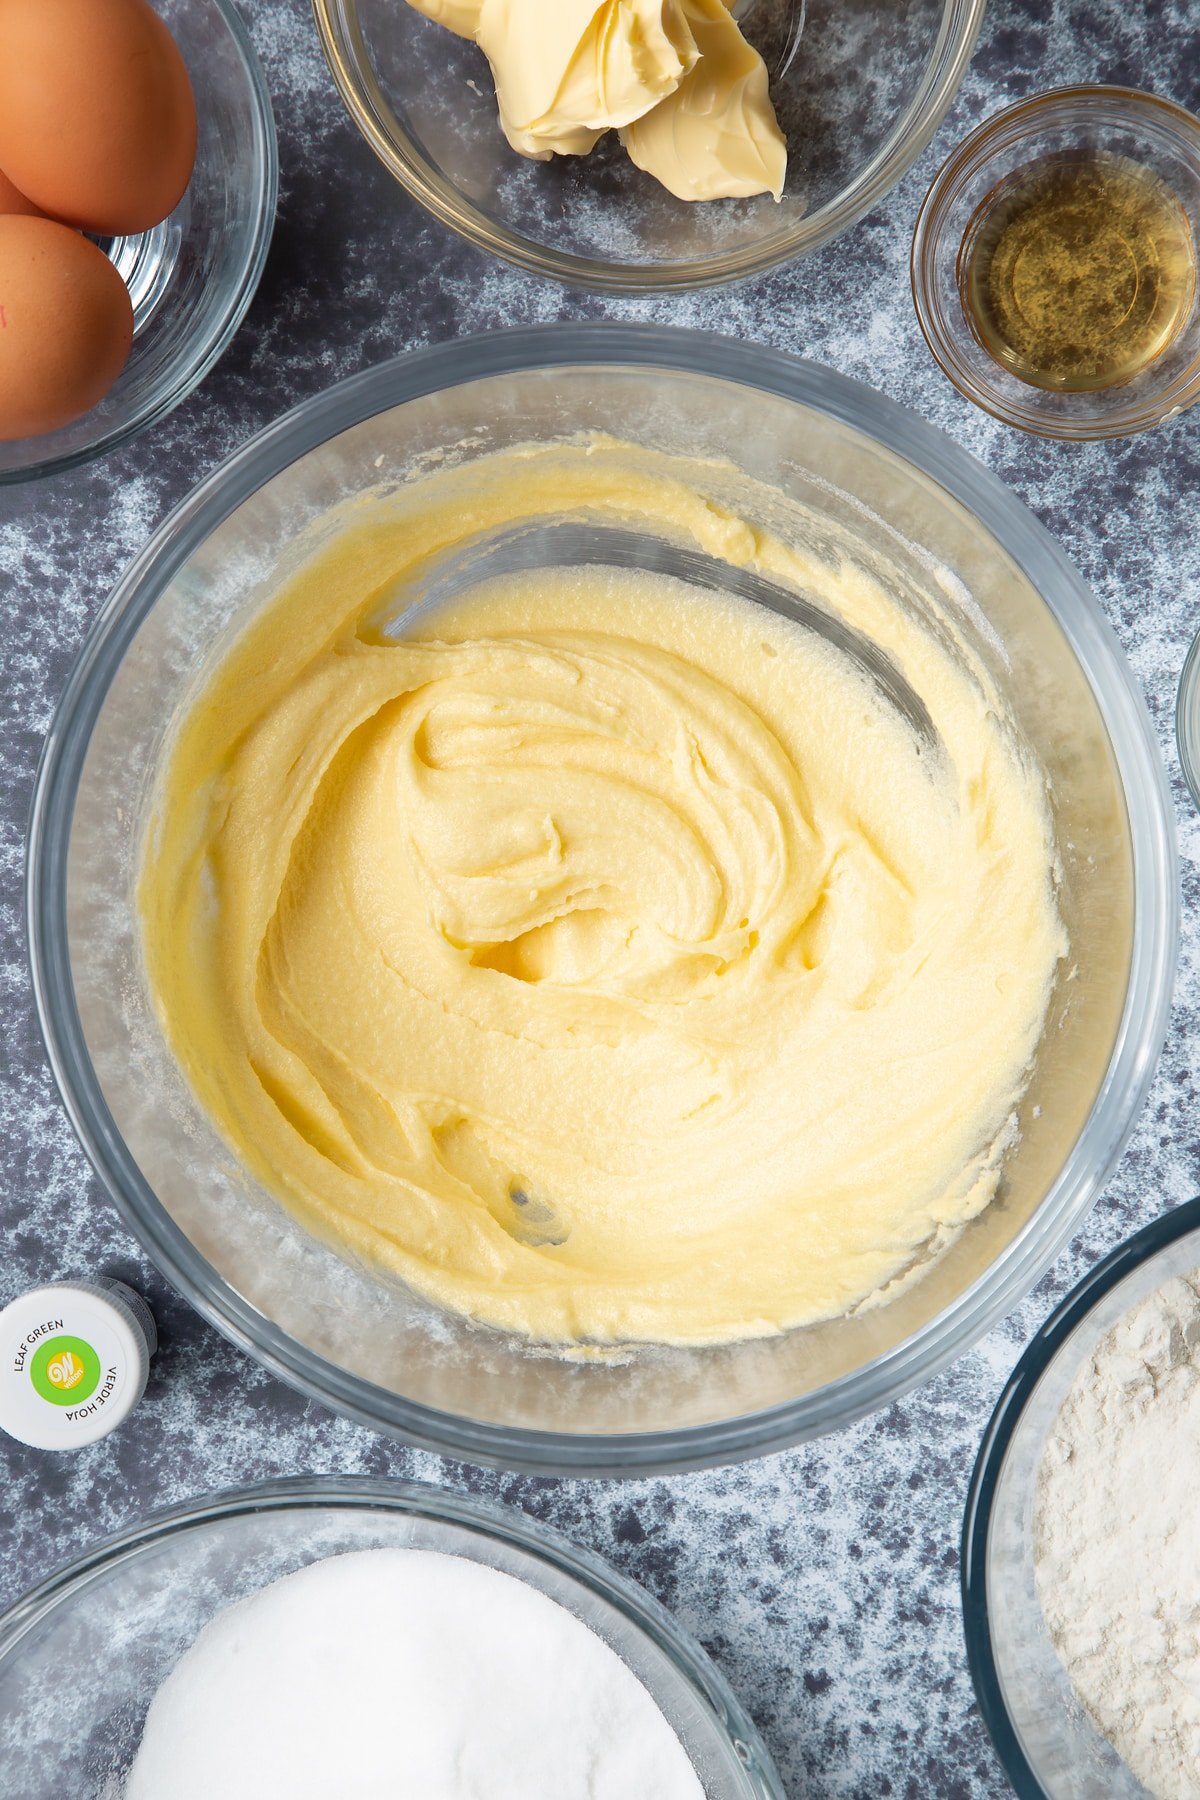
point(133, 232)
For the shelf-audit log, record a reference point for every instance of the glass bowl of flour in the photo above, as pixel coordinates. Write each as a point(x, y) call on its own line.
point(1081, 1556)
point(291, 1636)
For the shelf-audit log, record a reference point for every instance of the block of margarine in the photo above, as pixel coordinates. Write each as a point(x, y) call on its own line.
point(676, 77)
point(716, 136)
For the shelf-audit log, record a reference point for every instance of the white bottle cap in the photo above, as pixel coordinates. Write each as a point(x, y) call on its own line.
point(74, 1357)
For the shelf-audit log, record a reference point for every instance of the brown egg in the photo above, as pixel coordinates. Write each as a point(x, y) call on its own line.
point(97, 116)
point(66, 325)
point(12, 200)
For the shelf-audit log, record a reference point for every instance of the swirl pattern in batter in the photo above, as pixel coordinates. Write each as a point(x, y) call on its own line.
point(605, 958)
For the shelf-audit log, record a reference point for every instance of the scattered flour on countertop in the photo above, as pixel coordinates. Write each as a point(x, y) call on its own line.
point(1117, 1538)
point(404, 1675)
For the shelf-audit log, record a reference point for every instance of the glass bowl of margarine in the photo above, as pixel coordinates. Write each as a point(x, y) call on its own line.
point(83, 1655)
point(857, 92)
point(616, 1212)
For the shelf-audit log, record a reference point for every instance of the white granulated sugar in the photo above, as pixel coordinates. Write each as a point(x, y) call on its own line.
point(1117, 1538)
point(405, 1674)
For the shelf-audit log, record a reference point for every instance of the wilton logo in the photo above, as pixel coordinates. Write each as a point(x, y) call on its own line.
point(65, 1371)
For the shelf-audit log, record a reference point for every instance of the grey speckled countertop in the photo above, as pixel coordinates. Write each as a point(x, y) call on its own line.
point(823, 1581)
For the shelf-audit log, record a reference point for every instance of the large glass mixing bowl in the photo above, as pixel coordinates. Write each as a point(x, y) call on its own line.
point(859, 90)
point(82, 1656)
point(847, 473)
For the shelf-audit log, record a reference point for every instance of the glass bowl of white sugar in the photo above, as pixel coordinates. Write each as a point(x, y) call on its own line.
point(353, 1637)
point(1081, 1552)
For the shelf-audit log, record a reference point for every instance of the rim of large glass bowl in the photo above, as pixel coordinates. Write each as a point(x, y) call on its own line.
point(1019, 1390)
point(1140, 1034)
point(191, 370)
point(345, 52)
point(422, 1499)
point(1187, 725)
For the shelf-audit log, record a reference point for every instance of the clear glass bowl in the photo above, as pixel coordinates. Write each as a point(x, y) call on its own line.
point(1187, 720)
point(82, 1656)
point(192, 277)
point(1049, 1747)
point(858, 102)
point(844, 472)
point(1151, 132)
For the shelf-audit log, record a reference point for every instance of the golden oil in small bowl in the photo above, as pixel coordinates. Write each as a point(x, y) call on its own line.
point(1054, 263)
point(1079, 270)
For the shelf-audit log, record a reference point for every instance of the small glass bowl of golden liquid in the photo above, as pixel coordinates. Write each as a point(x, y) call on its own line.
point(1054, 263)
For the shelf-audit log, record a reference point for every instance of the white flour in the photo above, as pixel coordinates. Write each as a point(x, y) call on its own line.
point(404, 1675)
point(1117, 1538)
